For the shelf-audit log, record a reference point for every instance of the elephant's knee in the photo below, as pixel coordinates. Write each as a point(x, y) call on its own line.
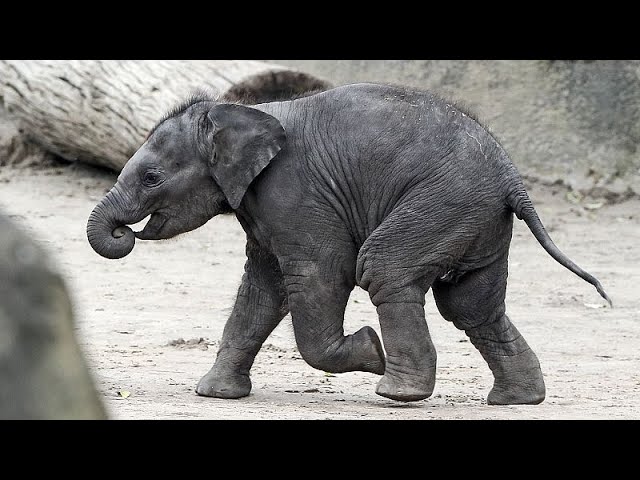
point(468, 317)
point(459, 319)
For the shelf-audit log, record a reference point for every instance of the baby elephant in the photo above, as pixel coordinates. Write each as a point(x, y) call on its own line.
point(388, 188)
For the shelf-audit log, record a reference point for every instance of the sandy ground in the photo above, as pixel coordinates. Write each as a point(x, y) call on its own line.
point(150, 323)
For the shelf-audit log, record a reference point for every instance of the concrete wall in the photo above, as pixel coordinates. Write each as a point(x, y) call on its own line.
point(574, 122)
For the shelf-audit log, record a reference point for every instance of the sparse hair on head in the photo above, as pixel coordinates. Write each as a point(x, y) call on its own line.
point(197, 96)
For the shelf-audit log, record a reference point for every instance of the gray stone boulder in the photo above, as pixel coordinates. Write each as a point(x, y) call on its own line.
point(43, 373)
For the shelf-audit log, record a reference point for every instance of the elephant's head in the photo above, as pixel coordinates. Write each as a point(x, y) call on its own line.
point(196, 163)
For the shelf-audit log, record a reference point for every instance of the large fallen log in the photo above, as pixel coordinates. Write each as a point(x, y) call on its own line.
point(99, 111)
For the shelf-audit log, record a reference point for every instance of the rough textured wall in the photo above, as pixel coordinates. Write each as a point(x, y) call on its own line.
point(575, 122)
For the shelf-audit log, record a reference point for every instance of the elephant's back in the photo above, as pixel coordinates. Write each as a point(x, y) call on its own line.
point(382, 134)
point(395, 128)
point(390, 117)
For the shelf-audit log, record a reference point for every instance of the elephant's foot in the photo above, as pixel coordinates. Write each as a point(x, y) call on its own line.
point(214, 384)
point(518, 380)
point(407, 387)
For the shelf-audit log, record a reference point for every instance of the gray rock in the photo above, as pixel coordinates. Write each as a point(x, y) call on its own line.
point(43, 374)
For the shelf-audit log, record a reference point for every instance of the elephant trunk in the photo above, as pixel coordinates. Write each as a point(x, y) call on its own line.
point(107, 229)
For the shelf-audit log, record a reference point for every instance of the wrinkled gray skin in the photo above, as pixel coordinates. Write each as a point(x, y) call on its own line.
point(391, 189)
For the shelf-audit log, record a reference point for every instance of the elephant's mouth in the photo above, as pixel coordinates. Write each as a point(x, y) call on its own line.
point(153, 229)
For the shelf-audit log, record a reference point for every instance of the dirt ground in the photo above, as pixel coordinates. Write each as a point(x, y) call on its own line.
point(150, 323)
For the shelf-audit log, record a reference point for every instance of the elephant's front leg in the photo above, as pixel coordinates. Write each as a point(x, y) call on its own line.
point(260, 305)
point(317, 311)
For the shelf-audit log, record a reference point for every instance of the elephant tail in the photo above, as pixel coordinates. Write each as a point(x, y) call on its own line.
point(522, 206)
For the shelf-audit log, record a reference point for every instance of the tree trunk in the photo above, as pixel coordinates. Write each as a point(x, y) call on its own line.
point(99, 111)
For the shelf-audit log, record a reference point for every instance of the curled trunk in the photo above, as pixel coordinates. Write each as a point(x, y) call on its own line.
point(107, 229)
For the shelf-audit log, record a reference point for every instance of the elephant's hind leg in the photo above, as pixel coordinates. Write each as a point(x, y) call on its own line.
point(396, 266)
point(475, 304)
point(410, 374)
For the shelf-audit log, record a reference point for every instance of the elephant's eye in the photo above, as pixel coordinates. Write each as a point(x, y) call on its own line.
point(153, 179)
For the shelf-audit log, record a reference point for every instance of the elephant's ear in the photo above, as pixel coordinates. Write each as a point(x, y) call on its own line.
point(245, 140)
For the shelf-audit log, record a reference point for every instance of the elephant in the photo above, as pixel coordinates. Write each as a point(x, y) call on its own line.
point(390, 188)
